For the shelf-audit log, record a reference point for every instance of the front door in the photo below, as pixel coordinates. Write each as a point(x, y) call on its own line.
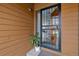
point(49, 27)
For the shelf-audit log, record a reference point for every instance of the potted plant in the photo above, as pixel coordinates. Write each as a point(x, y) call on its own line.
point(35, 40)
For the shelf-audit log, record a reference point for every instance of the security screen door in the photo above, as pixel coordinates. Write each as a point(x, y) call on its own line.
point(49, 27)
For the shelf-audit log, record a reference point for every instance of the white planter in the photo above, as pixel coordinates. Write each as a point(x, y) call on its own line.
point(33, 52)
point(37, 49)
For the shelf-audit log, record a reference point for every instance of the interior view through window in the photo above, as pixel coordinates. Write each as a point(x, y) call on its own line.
point(49, 27)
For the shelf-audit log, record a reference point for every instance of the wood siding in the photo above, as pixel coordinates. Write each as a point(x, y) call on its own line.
point(38, 6)
point(16, 24)
point(69, 41)
point(78, 29)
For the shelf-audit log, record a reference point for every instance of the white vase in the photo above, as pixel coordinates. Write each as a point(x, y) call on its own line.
point(37, 49)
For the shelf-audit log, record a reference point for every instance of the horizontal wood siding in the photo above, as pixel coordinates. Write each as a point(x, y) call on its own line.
point(16, 24)
point(69, 40)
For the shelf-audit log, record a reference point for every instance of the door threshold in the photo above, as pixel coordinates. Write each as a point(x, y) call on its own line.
point(55, 53)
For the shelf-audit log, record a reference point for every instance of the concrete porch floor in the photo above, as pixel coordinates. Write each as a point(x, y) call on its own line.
point(48, 52)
